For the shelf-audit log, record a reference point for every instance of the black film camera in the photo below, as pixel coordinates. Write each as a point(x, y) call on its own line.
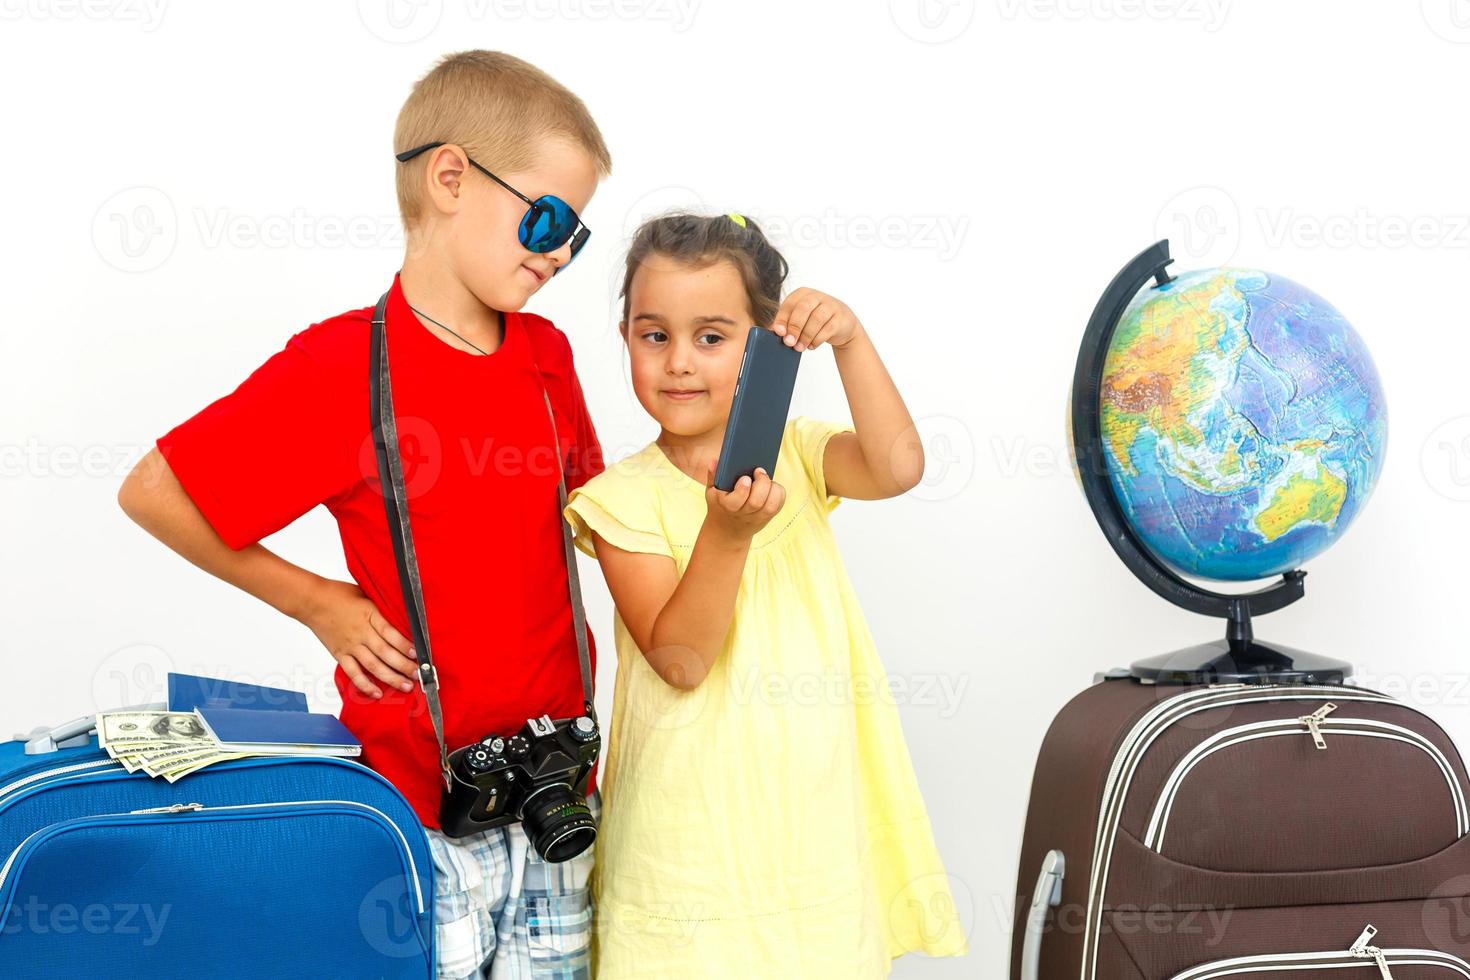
point(537, 776)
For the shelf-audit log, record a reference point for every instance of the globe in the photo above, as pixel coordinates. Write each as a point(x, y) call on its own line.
point(1243, 423)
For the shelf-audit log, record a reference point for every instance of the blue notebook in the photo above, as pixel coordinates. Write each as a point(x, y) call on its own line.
point(278, 732)
point(189, 691)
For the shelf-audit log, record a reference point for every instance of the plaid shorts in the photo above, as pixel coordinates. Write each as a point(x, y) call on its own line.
point(501, 913)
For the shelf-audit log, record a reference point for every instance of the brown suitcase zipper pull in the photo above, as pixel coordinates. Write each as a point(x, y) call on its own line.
point(1362, 949)
point(1314, 722)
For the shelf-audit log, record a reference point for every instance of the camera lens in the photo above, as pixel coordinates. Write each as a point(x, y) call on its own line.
point(558, 822)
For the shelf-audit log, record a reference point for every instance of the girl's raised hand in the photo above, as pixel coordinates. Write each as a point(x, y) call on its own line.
point(746, 508)
point(808, 318)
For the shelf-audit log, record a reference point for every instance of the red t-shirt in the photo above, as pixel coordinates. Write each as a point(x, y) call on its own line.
point(481, 481)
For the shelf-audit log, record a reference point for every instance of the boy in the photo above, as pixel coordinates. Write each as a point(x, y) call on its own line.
point(492, 134)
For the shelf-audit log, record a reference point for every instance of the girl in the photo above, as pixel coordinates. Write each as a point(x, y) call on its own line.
point(762, 818)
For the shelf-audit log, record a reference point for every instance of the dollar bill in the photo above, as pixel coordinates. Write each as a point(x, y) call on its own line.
point(137, 728)
point(163, 744)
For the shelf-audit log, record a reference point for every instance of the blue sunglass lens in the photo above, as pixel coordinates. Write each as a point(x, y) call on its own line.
point(548, 224)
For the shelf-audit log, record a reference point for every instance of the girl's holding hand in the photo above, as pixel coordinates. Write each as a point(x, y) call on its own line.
point(761, 816)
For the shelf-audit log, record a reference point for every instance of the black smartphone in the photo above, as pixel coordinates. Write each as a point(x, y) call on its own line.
point(758, 412)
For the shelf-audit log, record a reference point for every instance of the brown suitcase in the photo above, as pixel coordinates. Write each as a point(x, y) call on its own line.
point(1245, 831)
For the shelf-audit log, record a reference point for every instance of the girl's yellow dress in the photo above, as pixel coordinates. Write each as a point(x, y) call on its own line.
point(767, 823)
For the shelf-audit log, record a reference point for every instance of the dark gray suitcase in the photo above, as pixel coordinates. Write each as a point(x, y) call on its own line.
point(1249, 831)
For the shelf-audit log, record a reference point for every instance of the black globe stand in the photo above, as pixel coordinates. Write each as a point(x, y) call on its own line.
point(1239, 658)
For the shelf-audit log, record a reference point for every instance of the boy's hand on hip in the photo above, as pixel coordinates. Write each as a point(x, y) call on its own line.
point(746, 508)
point(359, 638)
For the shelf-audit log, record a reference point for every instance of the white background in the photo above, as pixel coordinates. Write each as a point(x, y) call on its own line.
point(967, 175)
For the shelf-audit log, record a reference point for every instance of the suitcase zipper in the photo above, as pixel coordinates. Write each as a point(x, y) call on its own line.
point(180, 808)
point(1361, 950)
point(1154, 722)
point(1314, 721)
point(9, 788)
point(1319, 728)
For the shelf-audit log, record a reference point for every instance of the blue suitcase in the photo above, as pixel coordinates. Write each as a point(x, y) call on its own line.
point(303, 866)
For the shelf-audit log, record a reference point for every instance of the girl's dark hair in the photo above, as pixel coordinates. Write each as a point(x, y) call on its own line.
point(699, 240)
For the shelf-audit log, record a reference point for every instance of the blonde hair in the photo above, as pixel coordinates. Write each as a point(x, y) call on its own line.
point(498, 108)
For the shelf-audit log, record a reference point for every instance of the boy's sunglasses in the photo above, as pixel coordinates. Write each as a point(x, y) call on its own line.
point(549, 222)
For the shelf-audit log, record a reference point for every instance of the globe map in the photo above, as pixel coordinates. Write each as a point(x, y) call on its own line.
point(1243, 422)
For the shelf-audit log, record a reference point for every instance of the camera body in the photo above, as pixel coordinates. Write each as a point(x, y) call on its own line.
point(537, 776)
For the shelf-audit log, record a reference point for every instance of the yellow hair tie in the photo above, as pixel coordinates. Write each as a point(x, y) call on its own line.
point(736, 218)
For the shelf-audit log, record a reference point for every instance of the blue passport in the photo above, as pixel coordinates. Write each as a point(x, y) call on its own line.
point(189, 691)
point(278, 732)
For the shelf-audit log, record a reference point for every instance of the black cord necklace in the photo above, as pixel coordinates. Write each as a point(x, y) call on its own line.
point(443, 327)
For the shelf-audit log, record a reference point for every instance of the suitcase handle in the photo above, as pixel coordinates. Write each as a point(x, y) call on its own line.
point(1047, 895)
point(70, 734)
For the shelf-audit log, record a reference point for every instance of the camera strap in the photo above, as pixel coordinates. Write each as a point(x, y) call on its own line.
point(390, 475)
